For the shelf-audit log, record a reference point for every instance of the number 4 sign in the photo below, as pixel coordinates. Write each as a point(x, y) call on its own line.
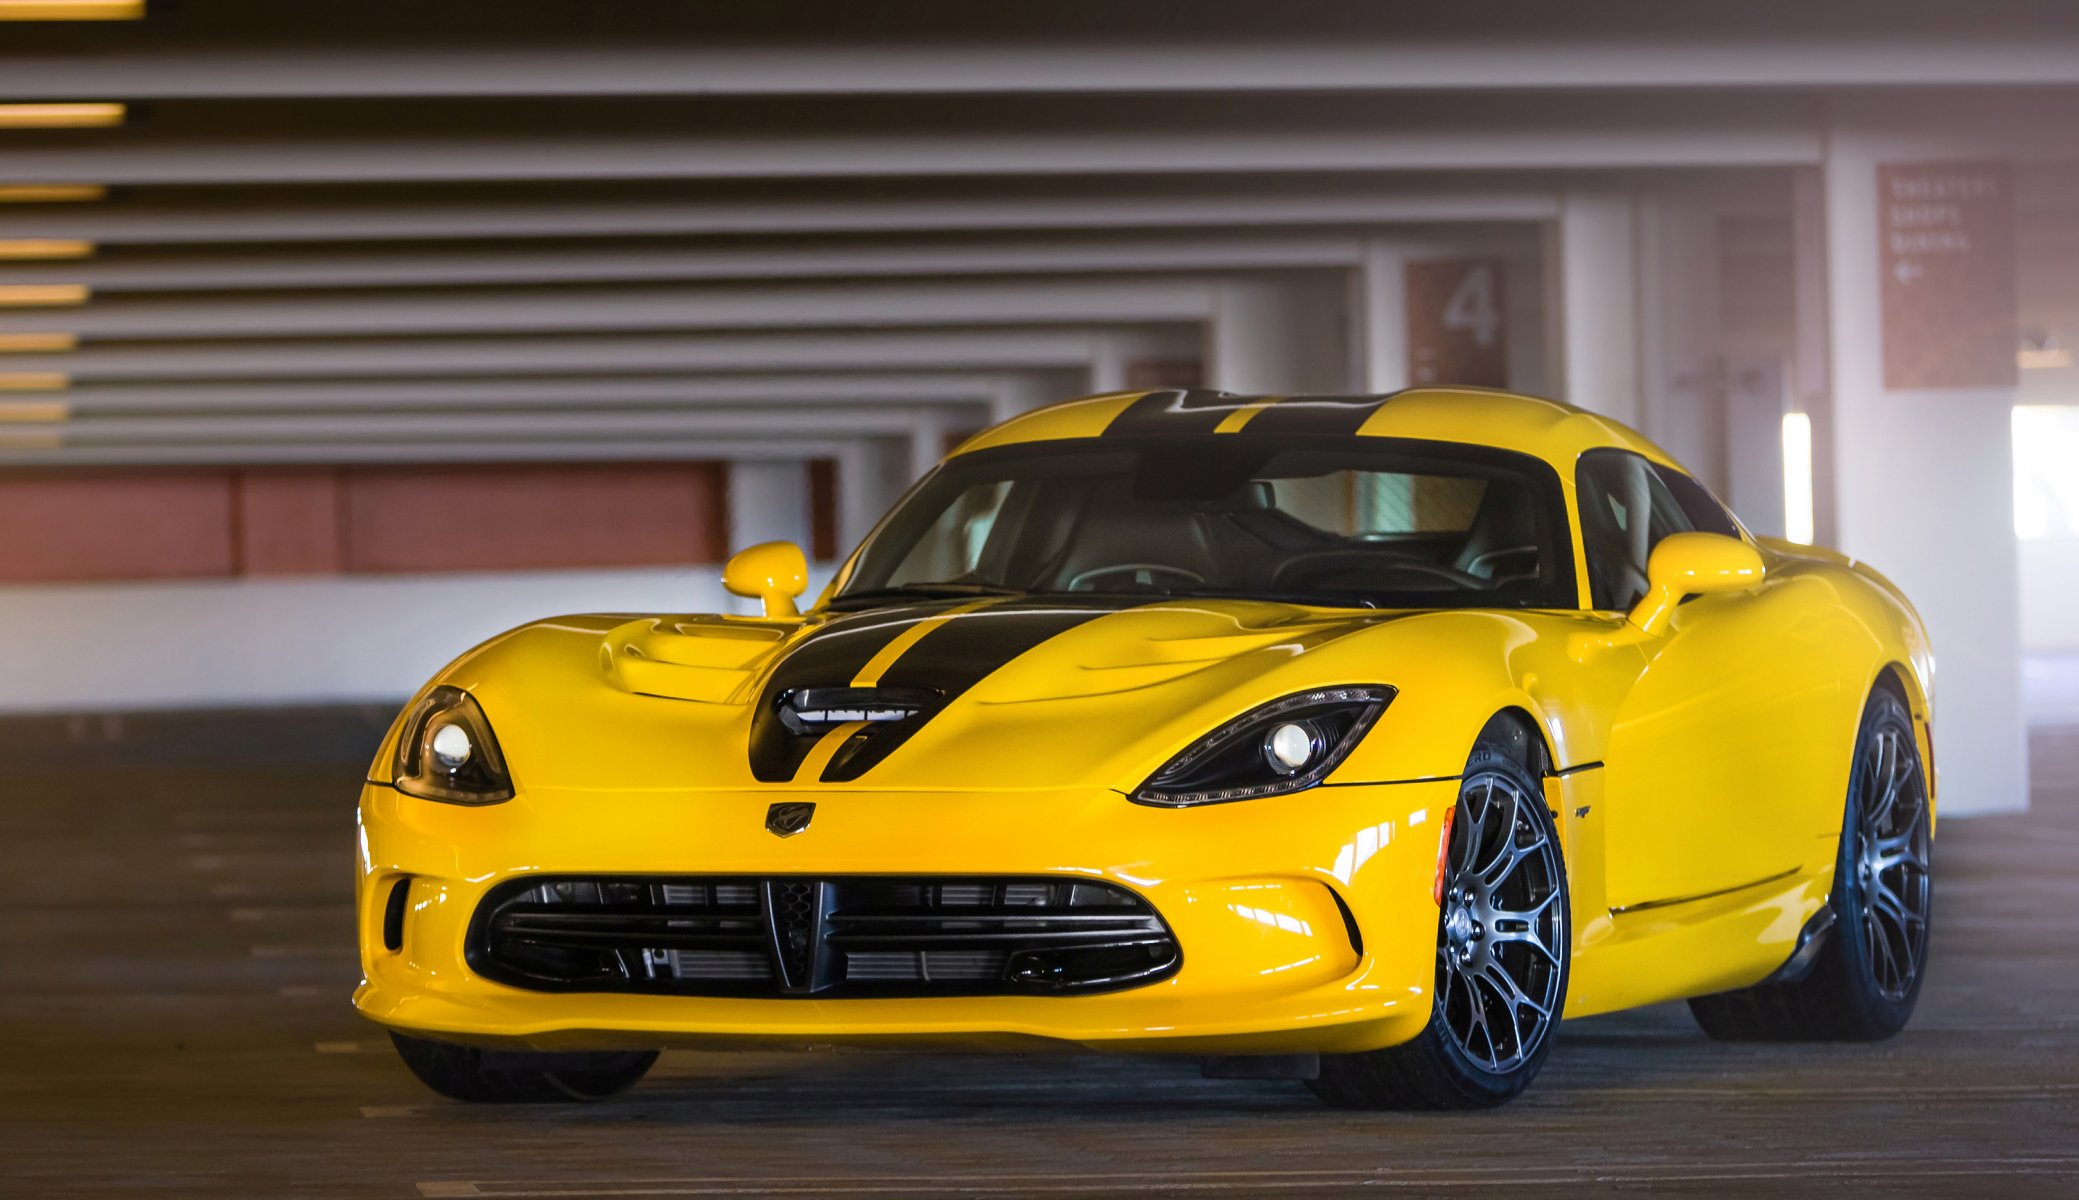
point(1456, 329)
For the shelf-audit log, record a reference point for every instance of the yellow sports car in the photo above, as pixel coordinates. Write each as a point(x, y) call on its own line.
point(1348, 739)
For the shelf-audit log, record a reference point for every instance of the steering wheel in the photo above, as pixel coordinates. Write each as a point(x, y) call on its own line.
point(1080, 581)
point(1297, 566)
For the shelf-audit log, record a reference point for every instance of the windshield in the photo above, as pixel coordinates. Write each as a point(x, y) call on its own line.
point(1368, 522)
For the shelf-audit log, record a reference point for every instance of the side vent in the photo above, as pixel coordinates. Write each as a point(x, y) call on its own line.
point(393, 915)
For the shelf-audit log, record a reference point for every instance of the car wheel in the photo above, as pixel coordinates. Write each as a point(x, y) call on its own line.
point(1866, 978)
point(519, 1076)
point(1503, 947)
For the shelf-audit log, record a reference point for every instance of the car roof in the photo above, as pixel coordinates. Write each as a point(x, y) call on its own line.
point(1547, 429)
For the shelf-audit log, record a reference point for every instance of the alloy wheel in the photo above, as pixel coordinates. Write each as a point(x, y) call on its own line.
point(1503, 928)
point(1892, 842)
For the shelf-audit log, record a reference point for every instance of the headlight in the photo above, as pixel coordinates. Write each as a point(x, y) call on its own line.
point(447, 753)
point(1280, 747)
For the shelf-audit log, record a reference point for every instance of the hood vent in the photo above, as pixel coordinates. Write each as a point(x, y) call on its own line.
point(816, 710)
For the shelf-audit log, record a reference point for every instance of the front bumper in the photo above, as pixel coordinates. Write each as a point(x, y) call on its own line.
point(1255, 892)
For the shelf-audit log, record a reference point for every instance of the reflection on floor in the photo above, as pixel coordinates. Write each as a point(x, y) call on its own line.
point(178, 953)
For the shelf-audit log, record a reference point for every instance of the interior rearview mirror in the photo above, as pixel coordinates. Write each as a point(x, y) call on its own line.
point(774, 573)
point(1693, 564)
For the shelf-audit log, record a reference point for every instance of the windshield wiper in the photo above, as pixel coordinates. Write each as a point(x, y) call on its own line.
point(928, 591)
point(1314, 599)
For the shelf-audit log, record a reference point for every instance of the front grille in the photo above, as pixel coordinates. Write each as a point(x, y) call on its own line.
point(792, 936)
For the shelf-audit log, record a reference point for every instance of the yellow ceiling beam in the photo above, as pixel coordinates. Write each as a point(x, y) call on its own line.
point(43, 295)
point(45, 193)
point(44, 248)
point(34, 381)
point(61, 116)
point(71, 10)
point(37, 343)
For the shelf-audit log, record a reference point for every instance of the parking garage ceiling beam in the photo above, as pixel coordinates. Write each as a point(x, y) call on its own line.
point(17, 452)
point(173, 220)
point(575, 309)
point(620, 262)
point(1400, 65)
point(939, 349)
point(572, 393)
point(1528, 144)
point(831, 421)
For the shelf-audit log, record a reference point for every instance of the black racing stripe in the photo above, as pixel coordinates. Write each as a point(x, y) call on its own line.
point(1316, 415)
point(955, 657)
point(830, 656)
point(1193, 411)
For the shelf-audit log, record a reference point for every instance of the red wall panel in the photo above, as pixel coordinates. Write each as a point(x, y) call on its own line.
point(822, 476)
point(414, 519)
point(95, 526)
point(122, 525)
point(289, 522)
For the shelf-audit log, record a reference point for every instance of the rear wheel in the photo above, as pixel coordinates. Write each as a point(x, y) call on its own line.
point(1503, 947)
point(519, 1076)
point(1864, 982)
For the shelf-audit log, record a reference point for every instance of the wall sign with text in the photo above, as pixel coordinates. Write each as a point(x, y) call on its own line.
point(1948, 285)
point(1456, 327)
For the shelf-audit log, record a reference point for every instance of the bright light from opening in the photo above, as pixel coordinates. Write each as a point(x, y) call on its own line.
point(1797, 478)
point(31, 248)
point(2046, 487)
point(61, 116)
point(71, 10)
point(48, 193)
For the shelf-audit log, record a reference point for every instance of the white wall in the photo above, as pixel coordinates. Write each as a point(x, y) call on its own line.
point(1924, 484)
point(2050, 594)
point(286, 641)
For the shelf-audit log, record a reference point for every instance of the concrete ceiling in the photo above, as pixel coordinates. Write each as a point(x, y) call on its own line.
point(534, 229)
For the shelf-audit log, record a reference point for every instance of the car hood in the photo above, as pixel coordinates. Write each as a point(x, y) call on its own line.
point(987, 695)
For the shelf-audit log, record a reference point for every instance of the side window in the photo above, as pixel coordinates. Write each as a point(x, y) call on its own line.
point(1704, 511)
point(1626, 508)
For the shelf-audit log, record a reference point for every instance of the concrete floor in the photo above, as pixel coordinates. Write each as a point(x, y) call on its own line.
point(175, 973)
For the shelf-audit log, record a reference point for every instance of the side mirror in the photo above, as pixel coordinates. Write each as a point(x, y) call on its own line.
point(1693, 564)
point(772, 572)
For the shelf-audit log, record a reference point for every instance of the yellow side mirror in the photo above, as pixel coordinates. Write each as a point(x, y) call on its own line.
point(772, 572)
point(1693, 564)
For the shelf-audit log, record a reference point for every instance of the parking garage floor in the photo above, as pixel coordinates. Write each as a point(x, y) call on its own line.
point(177, 958)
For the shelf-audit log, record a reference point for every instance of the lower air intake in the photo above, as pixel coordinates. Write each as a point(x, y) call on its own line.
point(791, 936)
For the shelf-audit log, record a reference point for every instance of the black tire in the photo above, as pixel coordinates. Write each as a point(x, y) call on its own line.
point(519, 1076)
point(1866, 979)
point(1460, 1060)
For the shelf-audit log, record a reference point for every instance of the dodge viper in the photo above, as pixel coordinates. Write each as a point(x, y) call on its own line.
point(1355, 740)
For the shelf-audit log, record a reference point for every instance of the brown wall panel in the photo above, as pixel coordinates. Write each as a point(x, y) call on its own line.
point(414, 519)
point(289, 522)
point(152, 525)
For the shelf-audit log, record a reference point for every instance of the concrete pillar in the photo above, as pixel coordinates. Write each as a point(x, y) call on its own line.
point(1811, 354)
point(1923, 480)
point(1109, 354)
point(1380, 312)
point(1023, 392)
point(871, 474)
point(927, 443)
point(768, 502)
point(1280, 336)
point(1681, 369)
point(1593, 288)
